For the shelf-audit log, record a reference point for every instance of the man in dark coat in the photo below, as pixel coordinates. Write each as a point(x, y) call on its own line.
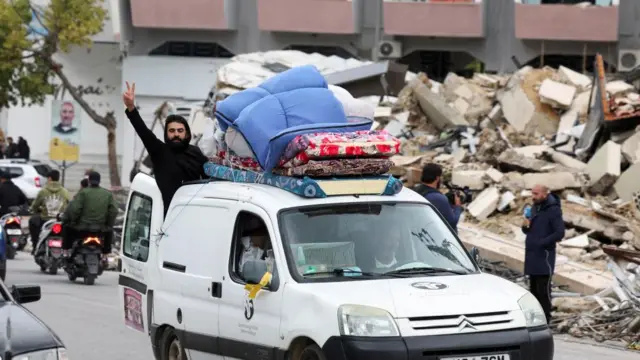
point(12, 149)
point(10, 194)
point(431, 180)
point(23, 148)
point(544, 228)
point(175, 161)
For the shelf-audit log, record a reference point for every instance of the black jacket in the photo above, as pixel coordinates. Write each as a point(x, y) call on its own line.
point(172, 165)
point(544, 231)
point(12, 151)
point(10, 195)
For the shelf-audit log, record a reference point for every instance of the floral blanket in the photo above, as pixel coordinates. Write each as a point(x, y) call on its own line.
point(337, 167)
point(321, 146)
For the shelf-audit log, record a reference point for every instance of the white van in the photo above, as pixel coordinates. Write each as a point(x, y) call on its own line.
point(347, 277)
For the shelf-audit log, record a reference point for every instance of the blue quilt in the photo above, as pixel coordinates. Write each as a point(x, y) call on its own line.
point(297, 101)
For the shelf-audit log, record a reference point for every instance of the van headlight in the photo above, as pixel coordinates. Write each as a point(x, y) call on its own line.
point(50, 354)
point(359, 320)
point(533, 313)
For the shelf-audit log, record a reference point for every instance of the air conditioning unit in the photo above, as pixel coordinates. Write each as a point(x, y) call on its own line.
point(628, 60)
point(389, 49)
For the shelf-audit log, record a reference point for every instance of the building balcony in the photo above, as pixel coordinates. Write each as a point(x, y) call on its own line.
point(566, 22)
point(308, 16)
point(184, 14)
point(443, 18)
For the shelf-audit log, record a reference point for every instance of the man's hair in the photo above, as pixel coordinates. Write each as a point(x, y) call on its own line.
point(9, 138)
point(67, 103)
point(430, 173)
point(54, 175)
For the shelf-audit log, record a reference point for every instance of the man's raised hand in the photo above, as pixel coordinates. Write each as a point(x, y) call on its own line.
point(129, 96)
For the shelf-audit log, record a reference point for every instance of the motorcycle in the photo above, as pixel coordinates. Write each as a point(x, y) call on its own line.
point(12, 232)
point(85, 260)
point(48, 254)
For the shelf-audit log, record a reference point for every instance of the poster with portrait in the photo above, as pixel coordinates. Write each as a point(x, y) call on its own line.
point(64, 144)
point(133, 310)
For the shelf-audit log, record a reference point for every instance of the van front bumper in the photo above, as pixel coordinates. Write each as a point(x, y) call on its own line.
point(520, 344)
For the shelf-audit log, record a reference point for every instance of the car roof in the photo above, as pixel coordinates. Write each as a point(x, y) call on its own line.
point(274, 199)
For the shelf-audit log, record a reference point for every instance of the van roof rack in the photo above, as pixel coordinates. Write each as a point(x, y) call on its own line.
point(308, 187)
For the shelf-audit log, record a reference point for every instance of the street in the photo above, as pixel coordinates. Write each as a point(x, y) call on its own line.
point(88, 318)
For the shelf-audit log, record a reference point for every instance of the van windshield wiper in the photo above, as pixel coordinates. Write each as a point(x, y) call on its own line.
point(339, 272)
point(423, 270)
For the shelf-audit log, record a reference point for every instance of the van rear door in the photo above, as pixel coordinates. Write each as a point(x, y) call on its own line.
point(143, 219)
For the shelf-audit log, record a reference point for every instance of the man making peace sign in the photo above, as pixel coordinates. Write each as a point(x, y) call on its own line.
point(174, 161)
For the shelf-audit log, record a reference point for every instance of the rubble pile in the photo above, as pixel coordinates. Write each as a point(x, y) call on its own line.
point(612, 314)
point(499, 135)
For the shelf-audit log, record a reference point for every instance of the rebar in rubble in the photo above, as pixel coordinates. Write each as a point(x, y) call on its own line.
point(600, 324)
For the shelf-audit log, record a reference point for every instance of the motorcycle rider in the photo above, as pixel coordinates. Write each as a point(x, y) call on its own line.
point(10, 194)
point(93, 209)
point(51, 201)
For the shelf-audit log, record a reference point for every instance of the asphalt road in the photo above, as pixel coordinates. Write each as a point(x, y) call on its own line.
point(88, 319)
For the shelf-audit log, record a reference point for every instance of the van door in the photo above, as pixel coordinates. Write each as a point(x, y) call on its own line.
point(143, 219)
point(250, 328)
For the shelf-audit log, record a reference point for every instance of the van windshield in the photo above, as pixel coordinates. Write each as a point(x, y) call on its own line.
point(371, 240)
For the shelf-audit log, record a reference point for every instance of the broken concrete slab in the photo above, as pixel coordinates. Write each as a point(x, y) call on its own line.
point(435, 108)
point(554, 180)
point(618, 87)
point(574, 78)
point(631, 148)
point(577, 277)
point(515, 160)
point(474, 179)
point(604, 167)
point(517, 109)
point(556, 94)
point(485, 203)
point(494, 175)
point(628, 184)
point(532, 151)
point(580, 241)
point(566, 160)
point(506, 200)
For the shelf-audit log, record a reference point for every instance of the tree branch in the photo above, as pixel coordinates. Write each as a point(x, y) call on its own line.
point(101, 120)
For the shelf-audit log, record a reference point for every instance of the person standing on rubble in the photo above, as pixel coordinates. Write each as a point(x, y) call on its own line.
point(175, 161)
point(431, 181)
point(544, 227)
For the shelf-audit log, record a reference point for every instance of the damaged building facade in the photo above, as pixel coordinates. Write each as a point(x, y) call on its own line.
point(172, 52)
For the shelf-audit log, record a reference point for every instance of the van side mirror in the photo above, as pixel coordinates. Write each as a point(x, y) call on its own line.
point(26, 293)
point(475, 254)
point(254, 270)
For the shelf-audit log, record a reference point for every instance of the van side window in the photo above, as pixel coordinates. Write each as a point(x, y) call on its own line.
point(137, 227)
point(251, 241)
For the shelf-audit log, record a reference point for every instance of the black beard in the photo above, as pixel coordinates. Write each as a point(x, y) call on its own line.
point(178, 144)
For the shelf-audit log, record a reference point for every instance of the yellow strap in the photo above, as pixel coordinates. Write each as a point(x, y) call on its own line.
point(254, 289)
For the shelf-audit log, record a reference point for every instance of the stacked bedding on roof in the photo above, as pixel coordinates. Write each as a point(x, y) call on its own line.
point(295, 124)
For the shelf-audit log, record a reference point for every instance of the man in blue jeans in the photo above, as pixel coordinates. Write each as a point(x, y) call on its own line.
point(431, 181)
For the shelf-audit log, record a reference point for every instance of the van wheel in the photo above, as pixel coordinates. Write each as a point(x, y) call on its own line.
point(312, 352)
point(89, 280)
point(170, 346)
point(71, 277)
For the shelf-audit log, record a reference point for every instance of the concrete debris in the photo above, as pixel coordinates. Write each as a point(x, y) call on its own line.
point(610, 314)
point(499, 136)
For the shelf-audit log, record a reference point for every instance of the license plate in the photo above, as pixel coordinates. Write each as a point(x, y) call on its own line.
point(481, 357)
point(55, 243)
point(14, 232)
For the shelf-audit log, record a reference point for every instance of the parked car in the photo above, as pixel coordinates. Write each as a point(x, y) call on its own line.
point(29, 176)
point(29, 337)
